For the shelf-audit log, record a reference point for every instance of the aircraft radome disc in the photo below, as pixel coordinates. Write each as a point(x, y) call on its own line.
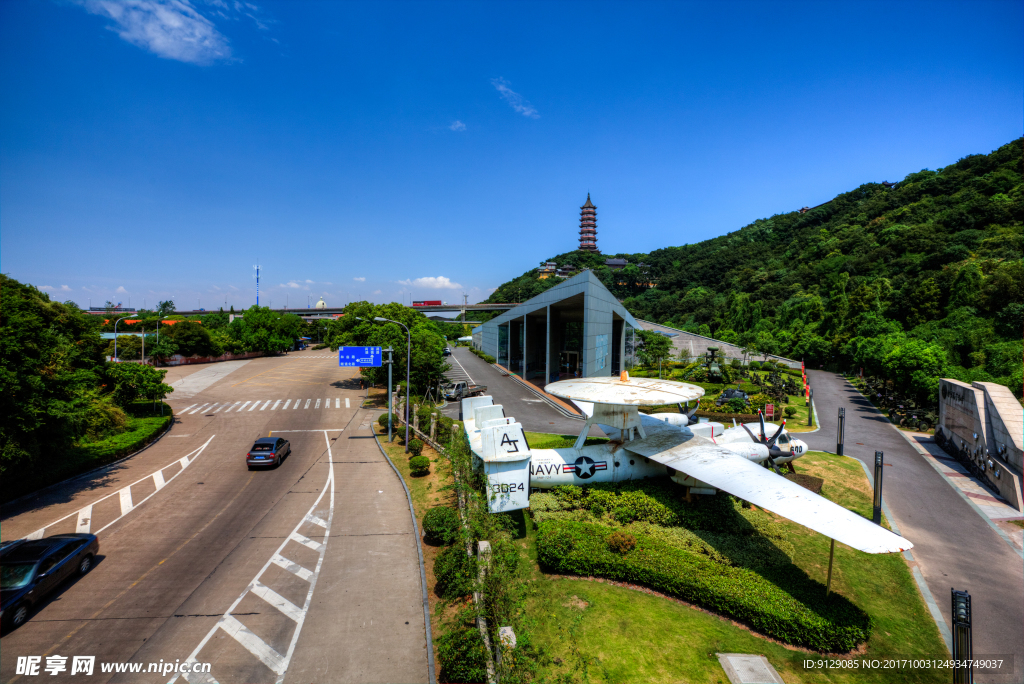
point(631, 392)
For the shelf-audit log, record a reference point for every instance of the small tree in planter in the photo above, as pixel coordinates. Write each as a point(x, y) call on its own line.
point(415, 448)
point(790, 412)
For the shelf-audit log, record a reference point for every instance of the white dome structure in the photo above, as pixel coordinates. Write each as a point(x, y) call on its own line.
point(321, 304)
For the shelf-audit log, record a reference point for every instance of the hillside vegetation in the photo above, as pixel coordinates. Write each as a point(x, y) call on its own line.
point(914, 282)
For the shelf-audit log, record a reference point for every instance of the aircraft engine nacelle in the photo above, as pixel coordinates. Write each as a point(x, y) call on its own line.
point(595, 463)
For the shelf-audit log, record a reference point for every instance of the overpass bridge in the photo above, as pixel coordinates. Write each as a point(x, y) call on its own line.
point(332, 311)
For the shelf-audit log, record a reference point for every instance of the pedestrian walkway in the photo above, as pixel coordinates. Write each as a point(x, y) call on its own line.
point(266, 405)
point(988, 501)
point(456, 371)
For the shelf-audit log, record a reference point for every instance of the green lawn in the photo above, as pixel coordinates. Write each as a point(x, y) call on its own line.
point(624, 635)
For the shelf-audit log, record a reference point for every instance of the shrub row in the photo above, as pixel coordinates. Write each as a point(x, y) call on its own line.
point(486, 357)
point(441, 525)
point(797, 613)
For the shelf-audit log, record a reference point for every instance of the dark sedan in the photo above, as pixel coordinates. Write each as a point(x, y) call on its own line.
point(32, 568)
point(267, 451)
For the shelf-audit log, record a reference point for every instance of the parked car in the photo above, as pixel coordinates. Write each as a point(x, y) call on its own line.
point(267, 451)
point(731, 394)
point(462, 389)
point(447, 351)
point(32, 568)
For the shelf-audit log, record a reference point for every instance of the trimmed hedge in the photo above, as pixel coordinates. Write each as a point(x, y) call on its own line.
point(782, 603)
point(419, 465)
point(462, 656)
point(415, 447)
point(441, 525)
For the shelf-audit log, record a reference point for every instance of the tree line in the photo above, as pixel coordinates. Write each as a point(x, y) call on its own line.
point(912, 282)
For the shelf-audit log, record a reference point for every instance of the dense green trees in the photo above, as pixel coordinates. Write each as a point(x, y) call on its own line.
point(357, 328)
point(913, 282)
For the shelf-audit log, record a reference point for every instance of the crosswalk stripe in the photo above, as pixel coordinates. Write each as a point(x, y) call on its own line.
point(198, 409)
point(254, 405)
point(278, 601)
point(242, 407)
point(327, 403)
point(291, 567)
point(316, 520)
point(158, 479)
point(317, 404)
point(266, 405)
point(346, 403)
point(221, 408)
point(307, 403)
point(184, 409)
point(252, 643)
point(274, 407)
point(286, 404)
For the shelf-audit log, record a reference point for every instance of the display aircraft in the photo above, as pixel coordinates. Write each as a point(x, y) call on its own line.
point(703, 457)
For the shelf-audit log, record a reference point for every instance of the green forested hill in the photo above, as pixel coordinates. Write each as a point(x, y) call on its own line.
point(912, 282)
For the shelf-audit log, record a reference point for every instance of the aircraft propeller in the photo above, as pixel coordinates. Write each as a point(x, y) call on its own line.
point(770, 443)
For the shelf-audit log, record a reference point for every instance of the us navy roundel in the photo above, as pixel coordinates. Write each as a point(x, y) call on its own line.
point(585, 467)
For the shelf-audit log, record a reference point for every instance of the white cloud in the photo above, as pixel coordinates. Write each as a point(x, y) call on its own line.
point(431, 283)
point(48, 288)
point(359, 279)
point(309, 281)
point(65, 288)
point(457, 126)
point(377, 292)
point(121, 290)
point(293, 285)
point(517, 101)
point(171, 29)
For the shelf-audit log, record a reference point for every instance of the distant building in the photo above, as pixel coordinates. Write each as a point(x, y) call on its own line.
point(588, 227)
point(546, 270)
point(615, 264)
point(321, 304)
point(566, 271)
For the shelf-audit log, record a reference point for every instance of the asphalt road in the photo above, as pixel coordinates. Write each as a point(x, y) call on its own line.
point(535, 414)
point(953, 546)
point(308, 570)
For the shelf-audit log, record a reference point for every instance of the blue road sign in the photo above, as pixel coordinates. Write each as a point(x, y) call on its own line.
point(363, 357)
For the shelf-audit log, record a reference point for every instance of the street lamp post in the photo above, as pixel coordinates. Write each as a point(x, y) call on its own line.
point(408, 355)
point(115, 336)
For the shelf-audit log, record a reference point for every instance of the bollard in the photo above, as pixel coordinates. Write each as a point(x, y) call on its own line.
point(416, 416)
point(810, 407)
point(876, 516)
point(433, 427)
point(963, 648)
point(842, 430)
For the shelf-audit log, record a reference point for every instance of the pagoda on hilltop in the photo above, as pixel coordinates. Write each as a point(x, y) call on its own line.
point(588, 227)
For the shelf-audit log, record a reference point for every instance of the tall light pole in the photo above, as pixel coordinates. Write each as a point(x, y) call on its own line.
point(408, 355)
point(115, 335)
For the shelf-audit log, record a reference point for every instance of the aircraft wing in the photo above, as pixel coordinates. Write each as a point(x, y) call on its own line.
point(701, 459)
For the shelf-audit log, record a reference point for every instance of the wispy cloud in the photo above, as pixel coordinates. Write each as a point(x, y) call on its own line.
point(171, 29)
point(293, 285)
point(309, 281)
point(121, 290)
point(377, 292)
point(48, 288)
point(457, 126)
point(359, 279)
point(432, 283)
point(515, 100)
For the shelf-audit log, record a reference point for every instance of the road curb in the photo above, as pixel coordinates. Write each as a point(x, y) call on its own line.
point(432, 678)
point(538, 394)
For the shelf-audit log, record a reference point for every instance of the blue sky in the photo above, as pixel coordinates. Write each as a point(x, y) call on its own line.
point(383, 151)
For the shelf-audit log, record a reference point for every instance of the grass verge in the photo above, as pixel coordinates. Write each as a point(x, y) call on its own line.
point(600, 631)
point(145, 425)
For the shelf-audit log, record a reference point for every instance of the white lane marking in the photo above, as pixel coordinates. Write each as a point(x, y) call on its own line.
point(347, 405)
point(267, 404)
point(267, 655)
point(278, 601)
point(126, 500)
point(337, 403)
point(286, 404)
point(221, 408)
point(84, 520)
point(252, 643)
point(306, 541)
point(327, 403)
point(184, 409)
point(254, 405)
point(297, 402)
point(242, 407)
point(184, 462)
point(452, 357)
point(316, 521)
point(307, 403)
point(123, 494)
point(291, 567)
point(274, 407)
point(198, 409)
point(158, 479)
point(317, 404)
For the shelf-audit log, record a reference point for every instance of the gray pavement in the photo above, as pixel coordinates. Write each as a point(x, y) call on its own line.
point(315, 560)
point(535, 414)
point(953, 545)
